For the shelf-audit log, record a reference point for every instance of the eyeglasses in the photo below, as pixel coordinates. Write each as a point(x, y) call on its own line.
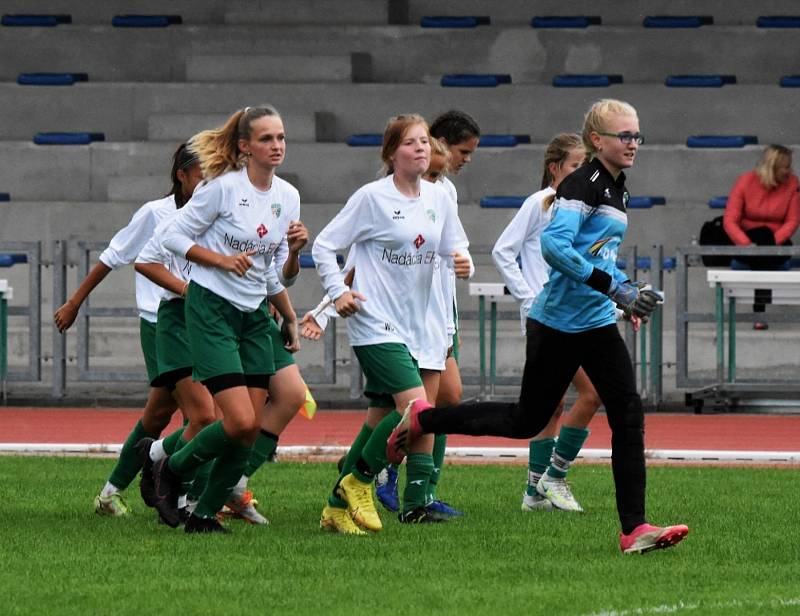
point(626, 137)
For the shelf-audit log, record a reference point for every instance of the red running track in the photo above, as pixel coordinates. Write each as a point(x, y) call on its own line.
point(663, 430)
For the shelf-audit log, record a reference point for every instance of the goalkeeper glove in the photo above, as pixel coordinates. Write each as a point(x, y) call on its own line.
point(635, 298)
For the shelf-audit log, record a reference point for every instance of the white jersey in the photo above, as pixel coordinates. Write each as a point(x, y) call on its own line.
point(395, 241)
point(128, 242)
point(448, 275)
point(229, 215)
point(522, 238)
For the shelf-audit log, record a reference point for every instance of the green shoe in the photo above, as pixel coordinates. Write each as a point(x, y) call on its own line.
point(113, 505)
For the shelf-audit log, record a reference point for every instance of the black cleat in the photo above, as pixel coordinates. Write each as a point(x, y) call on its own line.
point(146, 488)
point(166, 489)
point(204, 525)
point(421, 515)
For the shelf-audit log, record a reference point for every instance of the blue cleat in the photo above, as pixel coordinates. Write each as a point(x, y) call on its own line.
point(443, 508)
point(386, 489)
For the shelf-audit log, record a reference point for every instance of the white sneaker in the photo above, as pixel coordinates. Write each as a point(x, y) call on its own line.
point(535, 502)
point(558, 493)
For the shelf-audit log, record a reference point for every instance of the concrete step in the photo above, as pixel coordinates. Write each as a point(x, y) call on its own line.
point(327, 12)
point(177, 127)
point(237, 68)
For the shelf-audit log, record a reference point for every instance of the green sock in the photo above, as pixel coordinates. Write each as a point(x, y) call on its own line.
point(419, 467)
point(439, 447)
point(226, 471)
point(568, 445)
point(263, 448)
point(209, 443)
point(350, 461)
point(128, 465)
point(200, 481)
point(170, 442)
point(374, 454)
point(538, 458)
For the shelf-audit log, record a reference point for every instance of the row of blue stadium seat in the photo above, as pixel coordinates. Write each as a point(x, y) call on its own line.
point(118, 21)
point(508, 201)
point(506, 141)
point(76, 138)
point(50, 79)
point(7, 260)
point(4, 196)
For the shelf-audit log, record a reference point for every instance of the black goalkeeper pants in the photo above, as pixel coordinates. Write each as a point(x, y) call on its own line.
point(551, 359)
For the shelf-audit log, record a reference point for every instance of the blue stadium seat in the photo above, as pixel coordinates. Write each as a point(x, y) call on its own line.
point(50, 79)
point(699, 81)
point(365, 139)
point(5, 196)
point(641, 203)
point(454, 22)
point(145, 21)
point(7, 260)
point(40, 21)
point(306, 260)
point(502, 201)
point(718, 203)
point(779, 21)
point(721, 141)
point(67, 138)
point(677, 21)
point(643, 263)
point(790, 81)
point(585, 81)
point(567, 21)
point(474, 81)
point(502, 141)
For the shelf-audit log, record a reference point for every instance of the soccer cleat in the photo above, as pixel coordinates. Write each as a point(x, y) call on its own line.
point(558, 493)
point(204, 525)
point(537, 502)
point(358, 496)
point(166, 489)
point(112, 505)
point(406, 432)
point(338, 520)
point(242, 506)
point(444, 509)
point(421, 515)
point(386, 489)
point(146, 481)
point(646, 537)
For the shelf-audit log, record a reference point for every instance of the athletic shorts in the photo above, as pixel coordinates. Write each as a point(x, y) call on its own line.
point(453, 351)
point(283, 357)
point(172, 342)
point(224, 340)
point(147, 338)
point(388, 369)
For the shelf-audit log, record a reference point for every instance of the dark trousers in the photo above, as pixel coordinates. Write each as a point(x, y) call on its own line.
point(551, 359)
point(763, 236)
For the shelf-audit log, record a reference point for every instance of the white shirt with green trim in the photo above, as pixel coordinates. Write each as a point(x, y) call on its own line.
point(128, 242)
point(229, 215)
point(395, 242)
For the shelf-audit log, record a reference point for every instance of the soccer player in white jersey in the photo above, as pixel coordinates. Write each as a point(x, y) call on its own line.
point(122, 250)
point(229, 230)
point(397, 226)
point(521, 239)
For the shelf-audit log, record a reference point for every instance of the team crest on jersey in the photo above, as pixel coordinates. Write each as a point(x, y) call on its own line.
point(243, 202)
point(419, 241)
point(595, 248)
point(261, 230)
point(431, 214)
point(276, 210)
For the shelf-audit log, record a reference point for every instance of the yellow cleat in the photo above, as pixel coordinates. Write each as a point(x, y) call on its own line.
point(358, 496)
point(337, 520)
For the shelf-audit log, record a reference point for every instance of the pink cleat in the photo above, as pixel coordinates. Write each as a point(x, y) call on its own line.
point(406, 432)
point(646, 537)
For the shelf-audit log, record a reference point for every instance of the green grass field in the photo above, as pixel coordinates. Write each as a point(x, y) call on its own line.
point(742, 555)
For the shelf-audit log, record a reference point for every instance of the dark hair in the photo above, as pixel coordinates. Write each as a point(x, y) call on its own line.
point(183, 158)
point(454, 127)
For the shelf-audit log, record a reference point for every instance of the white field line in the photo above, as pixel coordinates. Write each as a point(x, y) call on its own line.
point(485, 453)
point(750, 606)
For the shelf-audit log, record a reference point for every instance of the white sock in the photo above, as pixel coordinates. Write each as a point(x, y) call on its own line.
point(157, 450)
point(240, 487)
point(109, 489)
point(182, 501)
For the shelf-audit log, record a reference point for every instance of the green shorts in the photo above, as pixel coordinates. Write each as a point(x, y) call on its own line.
point(388, 369)
point(172, 342)
point(454, 349)
point(224, 340)
point(147, 338)
point(283, 357)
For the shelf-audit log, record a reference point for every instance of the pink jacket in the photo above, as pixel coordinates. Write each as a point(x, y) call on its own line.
point(751, 205)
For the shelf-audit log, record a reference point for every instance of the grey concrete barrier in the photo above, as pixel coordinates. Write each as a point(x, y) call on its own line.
point(176, 127)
